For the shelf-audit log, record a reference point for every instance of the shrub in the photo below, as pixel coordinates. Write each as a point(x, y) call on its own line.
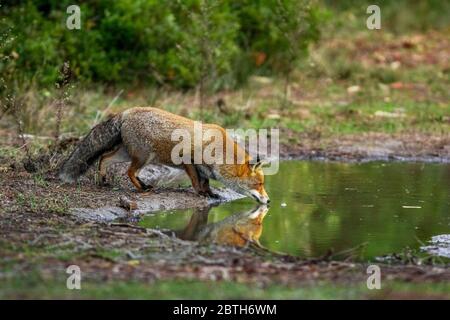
point(154, 42)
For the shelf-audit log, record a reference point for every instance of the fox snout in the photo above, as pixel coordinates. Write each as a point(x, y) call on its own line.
point(260, 196)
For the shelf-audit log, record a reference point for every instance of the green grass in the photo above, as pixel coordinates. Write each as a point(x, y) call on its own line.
point(35, 287)
point(368, 117)
point(36, 203)
point(8, 152)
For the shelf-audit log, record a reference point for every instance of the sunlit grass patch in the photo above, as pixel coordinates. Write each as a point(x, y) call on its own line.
point(34, 286)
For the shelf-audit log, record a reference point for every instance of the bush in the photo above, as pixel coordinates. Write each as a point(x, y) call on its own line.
point(399, 16)
point(154, 42)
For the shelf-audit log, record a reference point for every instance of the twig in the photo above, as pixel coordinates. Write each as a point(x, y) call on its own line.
point(348, 251)
point(126, 225)
point(60, 103)
point(100, 114)
point(20, 130)
point(4, 110)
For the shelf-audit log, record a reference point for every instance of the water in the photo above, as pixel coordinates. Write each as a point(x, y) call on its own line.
point(379, 208)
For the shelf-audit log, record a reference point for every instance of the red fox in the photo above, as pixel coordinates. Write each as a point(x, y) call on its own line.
point(143, 136)
point(236, 230)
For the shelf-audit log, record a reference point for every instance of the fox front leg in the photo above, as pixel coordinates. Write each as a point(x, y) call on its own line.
point(205, 188)
point(193, 175)
point(200, 183)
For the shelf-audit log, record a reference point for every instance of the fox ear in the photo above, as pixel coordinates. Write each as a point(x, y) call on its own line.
point(259, 163)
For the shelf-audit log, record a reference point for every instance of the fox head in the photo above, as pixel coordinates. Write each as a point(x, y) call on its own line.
point(246, 179)
point(239, 229)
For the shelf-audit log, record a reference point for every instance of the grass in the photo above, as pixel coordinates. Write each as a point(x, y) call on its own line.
point(380, 116)
point(333, 111)
point(42, 203)
point(32, 286)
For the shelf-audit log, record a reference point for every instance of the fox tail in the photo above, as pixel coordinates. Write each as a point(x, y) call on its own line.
point(102, 138)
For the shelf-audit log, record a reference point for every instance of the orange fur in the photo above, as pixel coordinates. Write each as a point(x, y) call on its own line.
point(235, 230)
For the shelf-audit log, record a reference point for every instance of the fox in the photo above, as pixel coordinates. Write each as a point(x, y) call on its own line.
point(142, 135)
point(236, 230)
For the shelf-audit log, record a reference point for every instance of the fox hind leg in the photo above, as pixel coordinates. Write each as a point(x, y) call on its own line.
point(133, 170)
point(117, 155)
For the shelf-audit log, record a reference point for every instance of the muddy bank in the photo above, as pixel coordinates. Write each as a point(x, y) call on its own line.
point(368, 147)
point(89, 202)
point(167, 195)
point(161, 199)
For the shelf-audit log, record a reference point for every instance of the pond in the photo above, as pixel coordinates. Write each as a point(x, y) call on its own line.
point(369, 209)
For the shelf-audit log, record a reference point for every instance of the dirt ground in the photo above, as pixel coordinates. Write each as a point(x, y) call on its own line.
point(370, 146)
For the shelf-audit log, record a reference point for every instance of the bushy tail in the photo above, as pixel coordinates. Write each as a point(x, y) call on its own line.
point(103, 137)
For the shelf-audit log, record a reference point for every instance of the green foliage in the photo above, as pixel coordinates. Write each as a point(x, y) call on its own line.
point(399, 16)
point(176, 43)
point(208, 44)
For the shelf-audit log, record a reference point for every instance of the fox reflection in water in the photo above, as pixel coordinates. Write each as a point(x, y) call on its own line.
point(238, 229)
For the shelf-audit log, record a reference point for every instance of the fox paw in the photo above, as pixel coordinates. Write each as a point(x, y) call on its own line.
point(102, 182)
point(209, 194)
point(213, 195)
point(145, 187)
